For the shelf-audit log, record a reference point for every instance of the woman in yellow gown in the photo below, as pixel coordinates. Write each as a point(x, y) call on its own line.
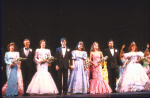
point(105, 72)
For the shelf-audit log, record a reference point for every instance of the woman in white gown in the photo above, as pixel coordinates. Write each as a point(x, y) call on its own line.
point(134, 77)
point(42, 81)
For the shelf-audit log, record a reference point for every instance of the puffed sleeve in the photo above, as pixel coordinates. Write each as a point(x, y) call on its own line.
point(126, 55)
point(49, 52)
point(36, 60)
point(17, 55)
point(6, 59)
point(140, 54)
point(73, 55)
point(84, 55)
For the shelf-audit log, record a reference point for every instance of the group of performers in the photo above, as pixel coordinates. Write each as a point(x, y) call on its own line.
point(132, 75)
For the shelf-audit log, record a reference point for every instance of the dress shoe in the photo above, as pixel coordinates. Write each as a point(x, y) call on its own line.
point(26, 94)
point(58, 94)
point(65, 93)
point(114, 91)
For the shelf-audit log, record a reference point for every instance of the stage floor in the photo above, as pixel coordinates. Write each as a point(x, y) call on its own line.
point(129, 94)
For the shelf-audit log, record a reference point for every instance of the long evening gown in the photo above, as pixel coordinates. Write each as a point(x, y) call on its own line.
point(134, 77)
point(19, 80)
point(42, 81)
point(105, 72)
point(14, 84)
point(78, 80)
point(98, 84)
point(147, 86)
point(146, 66)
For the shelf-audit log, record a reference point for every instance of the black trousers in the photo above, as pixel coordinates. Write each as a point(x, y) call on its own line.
point(63, 72)
point(112, 75)
point(27, 76)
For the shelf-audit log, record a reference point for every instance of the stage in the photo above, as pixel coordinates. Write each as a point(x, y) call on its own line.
point(129, 94)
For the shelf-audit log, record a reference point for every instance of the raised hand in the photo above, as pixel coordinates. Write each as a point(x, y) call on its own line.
point(121, 52)
point(123, 46)
point(147, 45)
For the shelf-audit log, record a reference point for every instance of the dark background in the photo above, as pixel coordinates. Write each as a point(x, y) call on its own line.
point(124, 21)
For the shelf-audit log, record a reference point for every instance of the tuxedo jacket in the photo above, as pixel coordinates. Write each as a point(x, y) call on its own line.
point(63, 62)
point(29, 59)
point(113, 61)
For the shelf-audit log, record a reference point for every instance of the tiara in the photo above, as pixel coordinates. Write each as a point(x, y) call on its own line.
point(80, 42)
point(132, 43)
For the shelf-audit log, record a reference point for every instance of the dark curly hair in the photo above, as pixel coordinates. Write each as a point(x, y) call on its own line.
point(80, 43)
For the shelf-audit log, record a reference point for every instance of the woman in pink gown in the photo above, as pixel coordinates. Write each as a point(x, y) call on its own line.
point(97, 83)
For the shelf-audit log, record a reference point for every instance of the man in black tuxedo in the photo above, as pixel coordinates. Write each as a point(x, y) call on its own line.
point(113, 62)
point(63, 55)
point(27, 66)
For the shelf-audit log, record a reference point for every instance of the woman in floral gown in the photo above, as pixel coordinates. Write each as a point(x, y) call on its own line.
point(134, 77)
point(97, 84)
point(146, 62)
point(42, 81)
point(78, 80)
point(14, 84)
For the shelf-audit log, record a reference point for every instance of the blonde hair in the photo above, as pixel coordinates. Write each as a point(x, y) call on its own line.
point(92, 47)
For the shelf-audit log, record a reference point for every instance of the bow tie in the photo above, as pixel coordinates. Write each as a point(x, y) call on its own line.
point(26, 48)
point(111, 48)
point(63, 47)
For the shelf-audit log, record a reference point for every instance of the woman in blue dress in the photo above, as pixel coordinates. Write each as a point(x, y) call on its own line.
point(121, 69)
point(78, 80)
point(11, 70)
